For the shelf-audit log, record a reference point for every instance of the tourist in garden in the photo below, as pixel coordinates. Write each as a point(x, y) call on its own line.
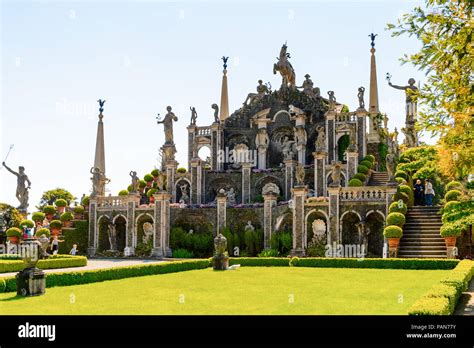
point(429, 192)
point(55, 245)
point(419, 190)
point(73, 250)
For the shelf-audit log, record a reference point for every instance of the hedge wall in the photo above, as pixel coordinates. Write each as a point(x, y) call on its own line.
point(54, 261)
point(99, 275)
point(78, 235)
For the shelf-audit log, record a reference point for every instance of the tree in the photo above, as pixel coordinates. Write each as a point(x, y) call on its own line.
point(445, 30)
point(49, 197)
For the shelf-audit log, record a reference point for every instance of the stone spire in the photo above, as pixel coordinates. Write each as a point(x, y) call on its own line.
point(374, 95)
point(99, 161)
point(224, 109)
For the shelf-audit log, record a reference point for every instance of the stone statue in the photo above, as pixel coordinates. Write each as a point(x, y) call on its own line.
point(193, 115)
point(160, 181)
point(411, 92)
point(262, 140)
point(316, 92)
point(43, 242)
point(98, 182)
point(319, 228)
point(168, 125)
point(262, 90)
point(285, 68)
point(112, 233)
point(231, 197)
point(300, 135)
point(216, 112)
point(249, 227)
point(288, 148)
point(220, 259)
point(360, 95)
point(101, 105)
point(184, 193)
point(352, 138)
point(385, 121)
point(300, 174)
point(147, 232)
point(22, 193)
point(332, 101)
point(390, 164)
point(135, 180)
point(270, 188)
point(308, 86)
point(320, 144)
point(336, 168)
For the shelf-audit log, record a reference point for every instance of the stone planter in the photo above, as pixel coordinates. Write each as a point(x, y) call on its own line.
point(450, 241)
point(49, 217)
point(39, 223)
point(393, 244)
point(55, 231)
point(78, 216)
point(14, 239)
point(61, 209)
point(67, 223)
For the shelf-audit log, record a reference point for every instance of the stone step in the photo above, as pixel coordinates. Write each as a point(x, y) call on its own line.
point(422, 256)
point(421, 252)
point(422, 239)
point(421, 235)
point(423, 248)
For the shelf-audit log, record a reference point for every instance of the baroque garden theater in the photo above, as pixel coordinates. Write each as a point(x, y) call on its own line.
point(283, 161)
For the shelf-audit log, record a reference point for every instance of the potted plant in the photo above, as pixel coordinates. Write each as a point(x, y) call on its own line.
point(150, 194)
point(141, 185)
point(393, 234)
point(85, 202)
point(396, 218)
point(27, 225)
point(450, 232)
point(148, 179)
point(38, 218)
point(42, 231)
point(61, 205)
point(55, 226)
point(14, 235)
point(66, 218)
point(155, 173)
point(78, 212)
point(49, 211)
point(123, 193)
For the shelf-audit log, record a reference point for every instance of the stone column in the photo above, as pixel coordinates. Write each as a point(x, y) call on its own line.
point(246, 172)
point(133, 200)
point(331, 135)
point(301, 154)
point(351, 164)
point(196, 181)
point(299, 199)
point(361, 115)
point(171, 166)
point(290, 166)
point(333, 235)
point(191, 134)
point(269, 201)
point(93, 228)
point(216, 146)
point(161, 236)
point(221, 211)
point(262, 157)
point(320, 173)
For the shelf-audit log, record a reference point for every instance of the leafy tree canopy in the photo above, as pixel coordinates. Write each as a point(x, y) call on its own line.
point(49, 197)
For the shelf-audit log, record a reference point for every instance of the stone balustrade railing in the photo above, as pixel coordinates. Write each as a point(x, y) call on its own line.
point(346, 117)
point(111, 201)
point(203, 131)
point(363, 193)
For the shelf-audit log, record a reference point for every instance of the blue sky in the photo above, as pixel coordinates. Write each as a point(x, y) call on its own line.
point(59, 57)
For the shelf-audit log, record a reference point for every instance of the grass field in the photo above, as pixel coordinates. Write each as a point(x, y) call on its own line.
point(247, 290)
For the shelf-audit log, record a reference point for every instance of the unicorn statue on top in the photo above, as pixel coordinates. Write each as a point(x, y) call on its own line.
point(284, 67)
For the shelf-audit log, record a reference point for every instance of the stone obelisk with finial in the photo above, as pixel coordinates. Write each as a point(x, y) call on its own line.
point(224, 108)
point(99, 160)
point(373, 136)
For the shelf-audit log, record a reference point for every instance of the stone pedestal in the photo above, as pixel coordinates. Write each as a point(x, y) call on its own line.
point(299, 198)
point(333, 235)
point(191, 135)
point(290, 166)
point(196, 181)
point(216, 146)
point(451, 252)
point(171, 166)
point(30, 282)
point(221, 212)
point(320, 173)
point(161, 236)
point(262, 157)
point(133, 200)
point(269, 201)
point(246, 171)
point(301, 154)
point(352, 157)
point(361, 115)
point(392, 252)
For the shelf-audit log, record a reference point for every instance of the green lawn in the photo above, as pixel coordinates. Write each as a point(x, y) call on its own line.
point(247, 290)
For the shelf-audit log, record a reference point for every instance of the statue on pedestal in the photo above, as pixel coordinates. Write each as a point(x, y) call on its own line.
point(193, 115)
point(215, 107)
point(390, 165)
point(22, 193)
point(231, 197)
point(160, 182)
point(221, 257)
point(168, 125)
point(284, 67)
point(112, 234)
point(271, 188)
point(249, 227)
point(288, 148)
point(411, 93)
point(336, 168)
point(360, 95)
point(184, 193)
point(300, 136)
point(308, 86)
point(98, 182)
point(135, 181)
point(262, 140)
point(332, 101)
point(262, 90)
point(300, 174)
point(320, 143)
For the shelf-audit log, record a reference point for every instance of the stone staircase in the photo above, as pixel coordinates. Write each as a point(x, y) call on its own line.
point(421, 237)
point(378, 179)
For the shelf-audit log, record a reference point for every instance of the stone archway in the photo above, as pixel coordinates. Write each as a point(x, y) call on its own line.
point(179, 186)
point(310, 225)
point(120, 223)
point(342, 144)
point(349, 230)
point(374, 224)
point(144, 229)
point(102, 228)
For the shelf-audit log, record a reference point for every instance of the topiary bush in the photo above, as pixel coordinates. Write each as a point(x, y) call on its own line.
point(27, 224)
point(355, 182)
point(401, 174)
point(155, 173)
point(43, 231)
point(66, 216)
point(79, 209)
point(450, 230)
point(452, 195)
point(181, 170)
point(141, 183)
point(151, 192)
point(60, 203)
point(38, 216)
point(85, 201)
point(400, 195)
point(362, 169)
point(55, 224)
point(454, 185)
point(395, 208)
point(367, 164)
point(123, 193)
point(49, 209)
point(393, 232)
point(360, 176)
point(401, 181)
point(397, 219)
point(409, 192)
point(369, 158)
point(14, 232)
point(148, 178)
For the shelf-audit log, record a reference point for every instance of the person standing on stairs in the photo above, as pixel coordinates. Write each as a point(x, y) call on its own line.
point(419, 191)
point(429, 193)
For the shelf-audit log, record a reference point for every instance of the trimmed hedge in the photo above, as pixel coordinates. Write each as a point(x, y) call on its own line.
point(38, 216)
point(400, 195)
point(442, 298)
point(123, 193)
point(78, 235)
point(379, 263)
point(42, 231)
point(49, 209)
point(401, 174)
point(395, 209)
point(397, 219)
point(454, 185)
point(100, 275)
point(60, 203)
point(452, 195)
point(54, 261)
point(355, 182)
point(362, 169)
point(260, 261)
point(369, 158)
point(393, 231)
point(365, 163)
point(360, 176)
